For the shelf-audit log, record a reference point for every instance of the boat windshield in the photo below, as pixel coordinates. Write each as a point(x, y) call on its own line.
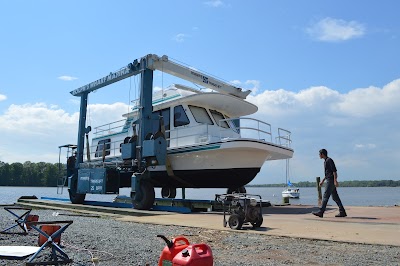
point(218, 117)
point(200, 115)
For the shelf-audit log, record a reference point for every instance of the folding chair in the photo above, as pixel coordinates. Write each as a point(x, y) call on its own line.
point(58, 256)
point(20, 221)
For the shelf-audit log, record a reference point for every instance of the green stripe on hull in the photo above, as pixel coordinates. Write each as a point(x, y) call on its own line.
point(194, 149)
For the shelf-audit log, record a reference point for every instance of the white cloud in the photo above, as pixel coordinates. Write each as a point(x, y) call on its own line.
point(74, 101)
point(180, 37)
point(368, 146)
point(335, 30)
point(253, 85)
point(359, 128)
point(99, 114)
point(32, 132)
point(67, 78)
point(2, 97)
point(370, 101)
point(214, 3)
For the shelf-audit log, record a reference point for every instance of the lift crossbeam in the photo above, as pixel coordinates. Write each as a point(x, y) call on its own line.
point(126, 72)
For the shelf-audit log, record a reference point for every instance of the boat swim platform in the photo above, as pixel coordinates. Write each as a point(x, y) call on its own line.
point(364, 225)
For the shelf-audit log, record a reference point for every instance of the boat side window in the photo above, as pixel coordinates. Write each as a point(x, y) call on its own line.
point(180, 117)
point(218, 117)
point(104, 144)
point(200, 115)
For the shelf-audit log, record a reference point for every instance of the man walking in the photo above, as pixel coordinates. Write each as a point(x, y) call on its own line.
point(331, 184)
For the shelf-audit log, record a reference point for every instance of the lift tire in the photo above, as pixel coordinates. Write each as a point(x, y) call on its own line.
point(168, 192)
point(148, 196)
point(235, 222)
point(259, 222)
point(76, 198)
point(241, 189)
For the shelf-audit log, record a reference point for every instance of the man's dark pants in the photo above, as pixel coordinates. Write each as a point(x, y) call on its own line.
point(330, 189)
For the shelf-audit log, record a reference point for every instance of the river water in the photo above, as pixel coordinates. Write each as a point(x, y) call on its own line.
point(350, 196)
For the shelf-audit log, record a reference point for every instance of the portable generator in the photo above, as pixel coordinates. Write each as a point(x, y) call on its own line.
point(242, 209)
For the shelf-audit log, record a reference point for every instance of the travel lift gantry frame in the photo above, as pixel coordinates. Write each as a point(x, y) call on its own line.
point(144, 151)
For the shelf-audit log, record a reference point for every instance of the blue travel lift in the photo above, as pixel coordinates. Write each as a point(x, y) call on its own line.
point(152, 151)
point(141, 151)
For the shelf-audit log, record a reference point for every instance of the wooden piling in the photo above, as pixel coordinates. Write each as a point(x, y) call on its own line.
point(319, 191)
point(285, 200)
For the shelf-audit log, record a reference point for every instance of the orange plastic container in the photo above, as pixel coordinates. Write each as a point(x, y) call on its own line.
point(194, 255)
point(173, 247)
point(48, 229)
point(31, 218)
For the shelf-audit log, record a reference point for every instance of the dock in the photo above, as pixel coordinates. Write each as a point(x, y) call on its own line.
point(367, 225)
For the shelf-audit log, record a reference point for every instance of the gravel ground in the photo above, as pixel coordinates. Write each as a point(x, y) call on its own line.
point(126, 243)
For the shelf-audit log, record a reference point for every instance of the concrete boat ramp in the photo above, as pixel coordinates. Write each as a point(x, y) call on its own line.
point(367, 225)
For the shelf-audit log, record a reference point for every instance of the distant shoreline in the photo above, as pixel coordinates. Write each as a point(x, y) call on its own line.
point(354, 183)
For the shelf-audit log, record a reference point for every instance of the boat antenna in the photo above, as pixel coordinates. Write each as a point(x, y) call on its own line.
point(287, 171)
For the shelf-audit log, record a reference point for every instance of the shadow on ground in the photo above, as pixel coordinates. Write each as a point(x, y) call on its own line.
point(288, 209)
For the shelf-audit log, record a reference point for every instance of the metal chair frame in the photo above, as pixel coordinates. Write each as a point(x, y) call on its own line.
point(50, 243)
point(21, 220)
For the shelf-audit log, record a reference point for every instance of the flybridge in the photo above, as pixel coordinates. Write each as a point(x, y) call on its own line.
point(154, 62)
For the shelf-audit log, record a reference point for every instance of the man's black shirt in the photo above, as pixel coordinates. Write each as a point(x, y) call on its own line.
point(330, 167)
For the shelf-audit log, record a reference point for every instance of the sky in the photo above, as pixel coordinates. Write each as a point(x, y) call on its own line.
point(328, 71)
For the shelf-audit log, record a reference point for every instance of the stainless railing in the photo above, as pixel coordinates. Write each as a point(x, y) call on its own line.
point(283, 138)
point(262, 129)
point(203, 133)
point(109, 128)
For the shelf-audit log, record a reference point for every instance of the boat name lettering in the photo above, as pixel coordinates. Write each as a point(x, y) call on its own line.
point(96, 188)
point(84, 178)
point(205, 79)
point(101, 81)
point(96, 181)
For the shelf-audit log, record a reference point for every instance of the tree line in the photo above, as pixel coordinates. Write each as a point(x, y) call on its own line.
point(46, 174)
point(354, 183)
point(29, 174)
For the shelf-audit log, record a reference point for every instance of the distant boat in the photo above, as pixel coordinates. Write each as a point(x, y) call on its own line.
point(291, 191)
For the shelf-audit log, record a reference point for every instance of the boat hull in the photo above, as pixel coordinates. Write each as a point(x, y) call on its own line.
point(227, 164)
point(206, 178)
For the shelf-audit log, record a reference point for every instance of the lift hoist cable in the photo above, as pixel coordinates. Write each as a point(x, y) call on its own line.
point(162, 83)
point(173, 60)
point(129, 97)
point(87, 134)
point(87, 148)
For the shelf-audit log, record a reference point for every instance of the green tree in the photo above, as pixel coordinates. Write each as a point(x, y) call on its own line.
point(4, 173)
point(16, 173)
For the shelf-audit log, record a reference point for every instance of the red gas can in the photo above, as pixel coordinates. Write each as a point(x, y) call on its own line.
point(173, 247)
point(31, 218)
point(194, 255)
point(49, 229)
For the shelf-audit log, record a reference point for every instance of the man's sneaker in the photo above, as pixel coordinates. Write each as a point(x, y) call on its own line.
point(341, 214)
point(319, 214)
